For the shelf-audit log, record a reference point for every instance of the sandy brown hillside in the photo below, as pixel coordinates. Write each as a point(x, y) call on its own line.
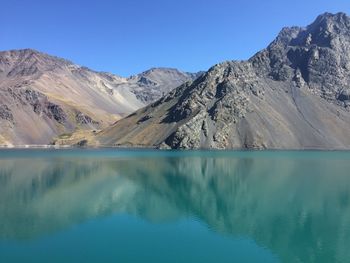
point(42, 96)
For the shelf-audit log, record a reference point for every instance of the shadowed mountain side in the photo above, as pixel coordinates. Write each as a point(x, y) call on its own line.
point(277, 200)
point(292, 95)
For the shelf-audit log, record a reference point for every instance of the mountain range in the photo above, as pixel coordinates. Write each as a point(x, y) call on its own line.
point(294, 94)
point(42, 96)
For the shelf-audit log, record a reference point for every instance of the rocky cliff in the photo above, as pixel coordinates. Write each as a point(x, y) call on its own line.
point(295, 94)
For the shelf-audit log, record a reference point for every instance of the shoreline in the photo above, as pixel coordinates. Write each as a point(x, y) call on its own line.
point(140, 147)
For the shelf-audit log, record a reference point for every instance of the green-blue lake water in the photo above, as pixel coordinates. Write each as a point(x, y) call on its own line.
point(148, 206)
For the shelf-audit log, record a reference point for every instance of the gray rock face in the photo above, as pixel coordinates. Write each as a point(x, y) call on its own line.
point(5, 113)
point(292, 95)
point(40, 104)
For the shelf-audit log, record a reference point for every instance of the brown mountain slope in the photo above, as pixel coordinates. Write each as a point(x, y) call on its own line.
point(295, 94)
point(42, 96)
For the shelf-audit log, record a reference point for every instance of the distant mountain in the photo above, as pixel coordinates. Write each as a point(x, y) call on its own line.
point(42, 97)
point(156, 82)
point(295, 94)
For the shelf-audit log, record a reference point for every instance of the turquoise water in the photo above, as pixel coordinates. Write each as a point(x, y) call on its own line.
point(149, 206)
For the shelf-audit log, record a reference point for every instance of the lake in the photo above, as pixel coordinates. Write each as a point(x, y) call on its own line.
point(171, 206)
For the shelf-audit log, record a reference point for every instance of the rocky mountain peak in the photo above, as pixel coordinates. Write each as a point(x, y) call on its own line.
point(331, 22)
point(310, 55)
point(26, 62)
point(320, 32)
point(325, 30)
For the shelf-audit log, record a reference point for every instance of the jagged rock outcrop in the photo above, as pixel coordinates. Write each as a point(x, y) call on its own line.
point(42, 97)
point(292, 95)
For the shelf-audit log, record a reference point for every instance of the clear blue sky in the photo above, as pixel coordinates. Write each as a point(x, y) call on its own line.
point(127, 37)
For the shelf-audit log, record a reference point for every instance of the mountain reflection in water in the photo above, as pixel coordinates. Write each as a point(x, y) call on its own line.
point(297, 204)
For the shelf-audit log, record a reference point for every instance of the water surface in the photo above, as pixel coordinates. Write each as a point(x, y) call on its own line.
point(150, 206)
